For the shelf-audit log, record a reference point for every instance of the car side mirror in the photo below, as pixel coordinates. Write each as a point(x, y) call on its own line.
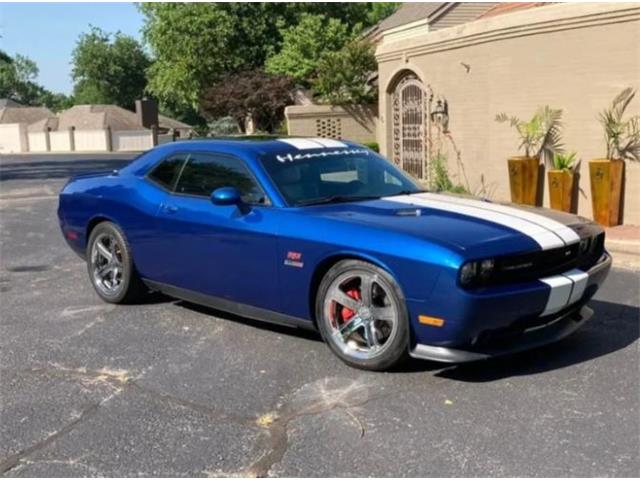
point(226, 196)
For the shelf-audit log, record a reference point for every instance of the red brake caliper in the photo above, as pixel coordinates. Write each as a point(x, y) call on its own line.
point(346, 314)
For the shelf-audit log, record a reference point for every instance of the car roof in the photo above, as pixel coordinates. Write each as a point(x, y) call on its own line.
point(259, 145)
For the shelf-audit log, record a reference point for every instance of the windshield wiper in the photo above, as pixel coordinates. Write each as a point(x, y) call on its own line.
point(337, 199)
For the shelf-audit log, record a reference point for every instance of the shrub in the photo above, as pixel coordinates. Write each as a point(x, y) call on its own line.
point(440, 180)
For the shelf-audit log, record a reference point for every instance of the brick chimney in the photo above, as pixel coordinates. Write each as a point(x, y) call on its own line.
point(147, 112)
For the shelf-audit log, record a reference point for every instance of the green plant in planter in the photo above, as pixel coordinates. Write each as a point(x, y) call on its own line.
point(622, 136)
point(564, 161)
point(540, 136)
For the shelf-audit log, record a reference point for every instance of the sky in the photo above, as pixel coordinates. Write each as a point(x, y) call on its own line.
point(47, 33)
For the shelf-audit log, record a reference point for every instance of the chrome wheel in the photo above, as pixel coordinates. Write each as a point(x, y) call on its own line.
point(361, 313)
point(106, 264)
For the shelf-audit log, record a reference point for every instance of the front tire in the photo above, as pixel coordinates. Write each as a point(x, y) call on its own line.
point(362, 315)
point(110, 265)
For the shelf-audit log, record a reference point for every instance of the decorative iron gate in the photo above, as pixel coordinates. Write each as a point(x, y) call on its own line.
point(410, 106)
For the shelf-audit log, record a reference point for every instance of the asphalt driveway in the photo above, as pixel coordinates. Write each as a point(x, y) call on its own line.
point(172, 389)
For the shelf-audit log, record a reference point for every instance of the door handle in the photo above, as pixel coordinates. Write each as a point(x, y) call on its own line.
point(167, 208)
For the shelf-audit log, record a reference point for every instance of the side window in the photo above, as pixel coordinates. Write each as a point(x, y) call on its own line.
point(390, 179)
point(204, 173)
point(167, 171)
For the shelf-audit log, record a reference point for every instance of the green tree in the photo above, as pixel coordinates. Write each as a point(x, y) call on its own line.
point(380, 10)
point(18, 82)
point(342, 76)
point(196, 44)
point(306, 44)
point(109, 69)
point(17, 79)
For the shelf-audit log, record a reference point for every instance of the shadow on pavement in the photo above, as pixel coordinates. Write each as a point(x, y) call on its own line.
point(264, 325)
point(612, 328)
point(53, 169)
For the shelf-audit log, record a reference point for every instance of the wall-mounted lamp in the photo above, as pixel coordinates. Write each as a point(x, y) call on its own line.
point(440, 114)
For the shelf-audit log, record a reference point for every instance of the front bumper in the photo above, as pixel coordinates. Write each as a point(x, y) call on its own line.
point(521, 334)
point(553, 331)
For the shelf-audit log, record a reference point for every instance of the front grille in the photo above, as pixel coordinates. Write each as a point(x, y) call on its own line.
point(532, 266)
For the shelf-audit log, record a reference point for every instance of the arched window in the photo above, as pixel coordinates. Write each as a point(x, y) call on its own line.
point(410, 102)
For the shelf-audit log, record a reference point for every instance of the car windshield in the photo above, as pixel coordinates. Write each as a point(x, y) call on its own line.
point(335, 175)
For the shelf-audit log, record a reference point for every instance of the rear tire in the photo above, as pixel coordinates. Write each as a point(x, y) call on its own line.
point(110, 266)
point(362, 315)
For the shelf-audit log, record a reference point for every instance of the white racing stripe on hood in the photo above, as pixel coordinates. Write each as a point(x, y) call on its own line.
point(544, 237)
point(561, 230)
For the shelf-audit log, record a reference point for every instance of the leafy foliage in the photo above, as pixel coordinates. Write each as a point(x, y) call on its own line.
point(306, 44)
point(222, 126)
point(195, 44)
point(540, 136)
point(252, 93)
point(380, 11)
point(109, 68)
point(622, 136)
point(440, 180)
point(373, 146)
point(564, 161)
point(18, 82)
point(342, 76)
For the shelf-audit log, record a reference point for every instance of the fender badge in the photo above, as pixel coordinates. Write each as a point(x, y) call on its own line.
point(294, 260)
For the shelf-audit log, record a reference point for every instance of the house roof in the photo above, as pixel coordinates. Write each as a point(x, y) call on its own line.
point(509, 7)
point(445, 14)
point(168, 122)
point(96, 117)
point(7, 102)
point(43, 125)
point(410, 12)
point(21, 114)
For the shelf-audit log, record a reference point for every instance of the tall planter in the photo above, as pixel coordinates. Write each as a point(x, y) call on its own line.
point(561, 188)
point(523, 180)
point(606, 188)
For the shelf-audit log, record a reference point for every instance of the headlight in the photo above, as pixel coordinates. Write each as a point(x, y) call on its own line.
point(584, 245)
point(468, 273)
point(473, 273)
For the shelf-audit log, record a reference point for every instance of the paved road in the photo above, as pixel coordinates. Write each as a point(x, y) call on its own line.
point(171, 389)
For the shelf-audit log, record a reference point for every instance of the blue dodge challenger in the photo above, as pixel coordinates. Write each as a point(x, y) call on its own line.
point(328, 235)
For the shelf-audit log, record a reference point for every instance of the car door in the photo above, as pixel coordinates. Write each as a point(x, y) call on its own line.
point(221, 251)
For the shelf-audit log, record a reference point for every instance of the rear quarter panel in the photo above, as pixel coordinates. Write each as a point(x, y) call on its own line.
point(124, 200)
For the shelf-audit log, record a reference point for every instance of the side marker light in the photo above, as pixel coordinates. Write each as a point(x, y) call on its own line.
point(433, 321)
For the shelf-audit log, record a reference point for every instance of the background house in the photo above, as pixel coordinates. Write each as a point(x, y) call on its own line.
point(86, 128)
point(509, 58)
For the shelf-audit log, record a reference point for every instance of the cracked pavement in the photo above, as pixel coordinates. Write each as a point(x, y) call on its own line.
point(173, 389)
